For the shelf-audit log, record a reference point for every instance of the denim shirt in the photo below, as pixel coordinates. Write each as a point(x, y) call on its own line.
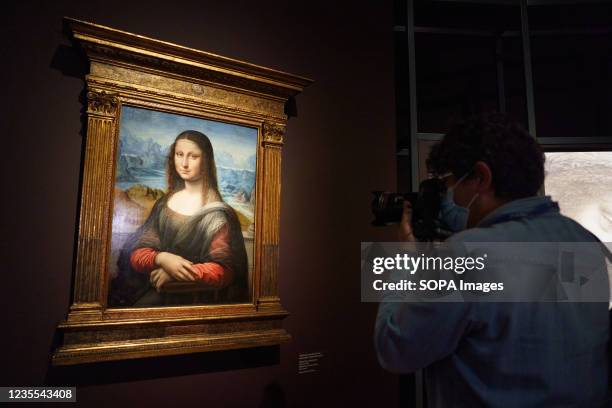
point(503, 354)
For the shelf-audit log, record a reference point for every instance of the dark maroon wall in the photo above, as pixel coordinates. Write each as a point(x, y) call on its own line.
point(339, 148)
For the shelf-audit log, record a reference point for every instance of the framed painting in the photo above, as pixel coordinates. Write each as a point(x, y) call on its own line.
point(183, 219)
point(178, 227)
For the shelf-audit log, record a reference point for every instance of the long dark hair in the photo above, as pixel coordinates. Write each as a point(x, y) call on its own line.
point(209, 169)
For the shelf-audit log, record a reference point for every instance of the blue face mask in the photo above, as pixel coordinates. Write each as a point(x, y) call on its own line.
point(452, 215)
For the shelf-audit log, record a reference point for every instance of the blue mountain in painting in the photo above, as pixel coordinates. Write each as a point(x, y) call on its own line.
point(236, 183)
point(139, 158)
point(250, 163)
point(225, 159)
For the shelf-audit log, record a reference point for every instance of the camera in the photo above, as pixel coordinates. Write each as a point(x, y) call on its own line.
point(426, 224)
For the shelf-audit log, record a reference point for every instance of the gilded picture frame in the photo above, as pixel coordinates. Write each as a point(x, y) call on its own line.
point(133, 82)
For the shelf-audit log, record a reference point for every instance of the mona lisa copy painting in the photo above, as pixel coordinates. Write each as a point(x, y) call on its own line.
point(177, 245)
point(183, 216)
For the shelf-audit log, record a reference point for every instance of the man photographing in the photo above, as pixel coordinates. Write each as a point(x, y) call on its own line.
point(498, 354)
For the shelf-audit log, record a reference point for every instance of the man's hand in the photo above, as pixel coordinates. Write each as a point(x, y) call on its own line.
point(405, 226)
point(176, 266)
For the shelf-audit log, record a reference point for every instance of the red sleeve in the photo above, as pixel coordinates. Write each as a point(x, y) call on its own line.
point(143, 260)
point(212, 273)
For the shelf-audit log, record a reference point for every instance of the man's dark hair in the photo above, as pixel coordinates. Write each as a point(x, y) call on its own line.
point(515, 158)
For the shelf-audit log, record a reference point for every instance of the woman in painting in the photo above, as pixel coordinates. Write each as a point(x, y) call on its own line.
point(190, 249)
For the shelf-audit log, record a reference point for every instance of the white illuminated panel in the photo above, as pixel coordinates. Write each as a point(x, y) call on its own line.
point(582, 184)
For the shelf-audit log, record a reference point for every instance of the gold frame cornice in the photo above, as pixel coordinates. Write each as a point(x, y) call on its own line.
point(131, 70)
point(106, 43)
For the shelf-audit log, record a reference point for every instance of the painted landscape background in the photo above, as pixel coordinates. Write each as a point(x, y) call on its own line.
point(145, 138)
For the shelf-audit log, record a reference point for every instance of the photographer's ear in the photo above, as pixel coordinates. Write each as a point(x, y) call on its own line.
point(484, 176)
